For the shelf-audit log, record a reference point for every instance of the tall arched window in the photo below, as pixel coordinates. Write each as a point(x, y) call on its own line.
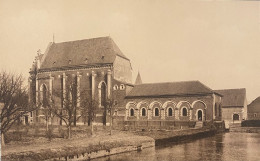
point(44, 98)
point(156, 111)
point(103, 93)
point(143, 112)
point(219, 110)
point(170, 111)
point(132, 112)
point(216, 109)
point(184, 111)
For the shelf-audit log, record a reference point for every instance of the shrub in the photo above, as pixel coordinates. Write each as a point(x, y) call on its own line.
point(62, 133)
point(49, 133)
point(250, 123)
point(13, 136)
point(18, 127)
point(36, 130)
point(26, 130)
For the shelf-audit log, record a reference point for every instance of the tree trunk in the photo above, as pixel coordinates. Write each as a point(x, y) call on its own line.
point(92, 130)
point(75, 118)
point(69, 131)
point(2, 140)
point(89, 122)
point(51, 120)
point(61, 115)
point(105, 117)
point(47, 123)
point(111, 123)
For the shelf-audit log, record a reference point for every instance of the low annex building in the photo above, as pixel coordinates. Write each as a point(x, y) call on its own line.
point(175, 101)
point(234, 105)
point(253, 111)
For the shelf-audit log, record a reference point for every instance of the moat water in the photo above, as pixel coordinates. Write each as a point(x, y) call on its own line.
point(226, 147)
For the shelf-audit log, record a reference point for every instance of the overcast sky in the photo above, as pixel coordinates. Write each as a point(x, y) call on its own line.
point(215, 42)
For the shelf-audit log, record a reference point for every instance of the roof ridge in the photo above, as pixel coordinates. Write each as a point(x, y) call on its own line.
point(83, 39)
point(255, 100)
point(228, 89)
point(206, 86)
point(115, 48)
point(171, 82)
point(170, 88)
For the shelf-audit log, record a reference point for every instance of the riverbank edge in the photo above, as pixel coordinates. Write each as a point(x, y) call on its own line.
point(106, 152)
point(186, 137)
point(245, 130)
point(96, 150)
point(107, 148)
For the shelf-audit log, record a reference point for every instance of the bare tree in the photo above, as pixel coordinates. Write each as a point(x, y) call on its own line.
point(110, 104)
point(47, 110)
point(14, 100)
point(89, 108)
point(67, 111)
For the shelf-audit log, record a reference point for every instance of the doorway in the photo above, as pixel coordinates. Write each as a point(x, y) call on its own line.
point(26, 120)
point(235, 117)
point(199, 115)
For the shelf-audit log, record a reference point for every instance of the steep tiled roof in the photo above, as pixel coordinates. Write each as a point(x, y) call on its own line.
point(233, 97)
point(101, 50)
point(254, 106)
point(169, 89)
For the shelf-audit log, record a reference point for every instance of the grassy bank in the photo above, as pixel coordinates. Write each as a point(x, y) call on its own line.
point(36, 146)
point(63, 148)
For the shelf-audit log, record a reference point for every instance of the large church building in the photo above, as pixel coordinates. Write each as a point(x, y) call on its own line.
point(98, 67)
point(95, 66)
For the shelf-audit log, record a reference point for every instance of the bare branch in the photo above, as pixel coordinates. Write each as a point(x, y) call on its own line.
point(13, 99)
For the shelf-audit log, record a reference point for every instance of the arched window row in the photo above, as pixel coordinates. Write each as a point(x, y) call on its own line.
point(167, 109)
point(165, 105)
point(158, 112)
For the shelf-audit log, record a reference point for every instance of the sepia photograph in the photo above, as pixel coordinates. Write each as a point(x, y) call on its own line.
point(130, 80)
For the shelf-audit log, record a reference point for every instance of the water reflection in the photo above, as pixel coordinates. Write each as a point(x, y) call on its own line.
point(228, 146)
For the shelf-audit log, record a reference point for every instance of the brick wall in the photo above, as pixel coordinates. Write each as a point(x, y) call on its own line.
point(179, 104)
point(122, 70)
point(253, 116)
point(228, 112)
